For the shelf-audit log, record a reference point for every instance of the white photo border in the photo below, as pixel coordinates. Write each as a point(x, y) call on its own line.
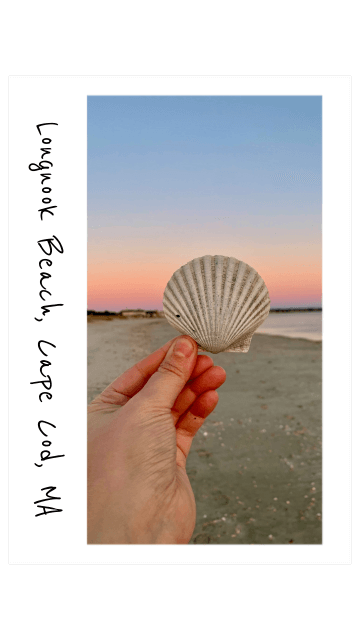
point(61, 537)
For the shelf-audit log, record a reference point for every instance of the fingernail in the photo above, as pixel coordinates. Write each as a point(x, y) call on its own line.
point(183, 347)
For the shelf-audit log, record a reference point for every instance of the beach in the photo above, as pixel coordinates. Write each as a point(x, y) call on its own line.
point(255, 465)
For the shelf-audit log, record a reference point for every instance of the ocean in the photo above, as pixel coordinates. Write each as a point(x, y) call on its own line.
point(306, 325)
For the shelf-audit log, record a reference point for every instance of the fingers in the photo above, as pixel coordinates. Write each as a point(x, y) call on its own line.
point(202, 364)
point(191, 422)
point(211, 379)
point(134, 379)
point(173, 373)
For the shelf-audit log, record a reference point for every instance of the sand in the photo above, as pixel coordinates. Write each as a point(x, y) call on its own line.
point(255, 465)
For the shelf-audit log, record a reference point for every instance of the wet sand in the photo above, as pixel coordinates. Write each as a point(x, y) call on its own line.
point(255, 465)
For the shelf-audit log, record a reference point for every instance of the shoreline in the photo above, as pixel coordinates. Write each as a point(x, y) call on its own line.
point(292, 336)
point(261, 331)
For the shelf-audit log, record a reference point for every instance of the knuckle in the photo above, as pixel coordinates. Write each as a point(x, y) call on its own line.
point(171, 367)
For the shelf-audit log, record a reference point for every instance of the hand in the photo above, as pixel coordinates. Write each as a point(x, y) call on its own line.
point(140, 433)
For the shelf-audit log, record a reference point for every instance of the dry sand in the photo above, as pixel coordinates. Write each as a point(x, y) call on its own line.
point(255, 465)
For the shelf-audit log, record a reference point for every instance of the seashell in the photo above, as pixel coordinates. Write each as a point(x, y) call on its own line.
point(218, 301)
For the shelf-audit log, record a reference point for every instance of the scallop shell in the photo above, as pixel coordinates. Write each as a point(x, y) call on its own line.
point(218, 301)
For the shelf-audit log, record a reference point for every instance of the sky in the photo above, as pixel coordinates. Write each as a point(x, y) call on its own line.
point(172, 178)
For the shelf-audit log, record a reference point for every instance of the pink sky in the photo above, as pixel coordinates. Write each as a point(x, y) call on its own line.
point(129, 268)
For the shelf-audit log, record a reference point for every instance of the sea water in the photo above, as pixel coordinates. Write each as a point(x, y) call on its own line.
point(304, 324)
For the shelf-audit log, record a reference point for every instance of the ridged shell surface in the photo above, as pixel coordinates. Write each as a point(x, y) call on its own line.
point(218, 301)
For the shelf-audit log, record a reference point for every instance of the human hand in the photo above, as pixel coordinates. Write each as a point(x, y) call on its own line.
point(140, 430)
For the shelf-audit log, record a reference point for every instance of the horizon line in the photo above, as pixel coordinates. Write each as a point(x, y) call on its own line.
point(152, 310)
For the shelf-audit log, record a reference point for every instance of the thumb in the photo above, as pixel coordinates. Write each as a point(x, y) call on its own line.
point(175, 370)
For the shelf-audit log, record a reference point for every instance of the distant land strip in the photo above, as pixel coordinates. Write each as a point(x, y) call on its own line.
point(154, 313)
